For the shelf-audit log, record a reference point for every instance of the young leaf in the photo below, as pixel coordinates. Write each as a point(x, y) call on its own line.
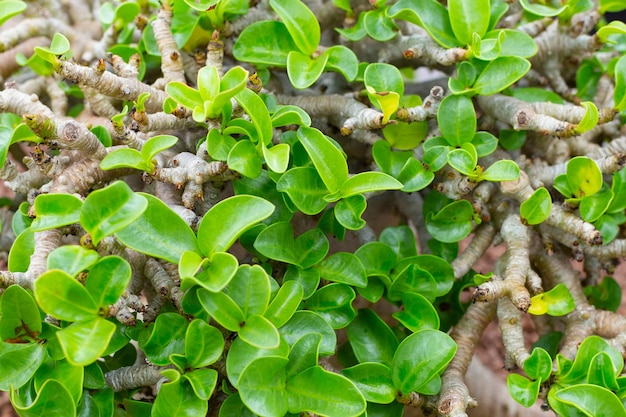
point(216, 234)
point(243, 158)
point(11, 8)
point(586, 399)
point(300, 22)
point(463, 161)
point(184, 95)
point(537, 208)
point(365, 182)
point(619, 96)
point(592, 207)
point(259, 115)
point(590, 119)
point(556, 302)
point(383, 78)
point(583, 176)
point(540, 9)
point(378, 25)
point(538, 365)
point(468, 17)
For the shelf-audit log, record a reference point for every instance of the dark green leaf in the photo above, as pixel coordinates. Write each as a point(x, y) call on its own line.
point(166, 336)
point(418, 313)
point(262, 386)
point(305, 188)
point(373, 380)
point(241, 354)
point(334, 303)
point(343, 267)
point(304, 322)
point(304, 354)
point(371, 338)
point(348, 212)
point(452, 223)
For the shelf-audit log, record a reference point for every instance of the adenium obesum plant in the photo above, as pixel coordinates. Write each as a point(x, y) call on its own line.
point(254, 208)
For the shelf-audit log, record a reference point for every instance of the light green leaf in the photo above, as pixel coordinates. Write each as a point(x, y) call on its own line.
point(468, 17)
point(61, 296)
point(222, 225)
point(85, 341)
point(259, 332)
point(266, 42)
point(18, 363)
point(327, 159)
point(537, 208)
point(300, 22)
point(499, 74)
point(556, 302)
point(457, 119)
point(303, 70)
point(540, 9)
point(262, 386)
point(56, 210)
point(429, 14)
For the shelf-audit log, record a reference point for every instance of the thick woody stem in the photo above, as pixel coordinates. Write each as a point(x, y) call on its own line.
point(112, 85)
point(544, 174)
point(422, 47)
point(483, 236)
point(171, 62)
point(454, 396)
point(428, 109)
point(130, 377)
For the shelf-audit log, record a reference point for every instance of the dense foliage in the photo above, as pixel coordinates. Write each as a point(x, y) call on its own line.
point(190, 234)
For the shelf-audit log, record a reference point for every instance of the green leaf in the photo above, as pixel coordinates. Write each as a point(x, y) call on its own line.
point(601, 371)
point(537, 208)
point(18, 363)
point(430, 15)
point(418, 313)
point(222, 308)
point(463, 161)
point(484, 143)
point(499, 74)
point(327, 159)
point(523, 390)
point(578, 372)
point(258, 113)
point(401, 239)
point(348, 212)
point(373, 380)
point(277, 157)
point(233, 406)
point(538, 365)
point(333, 303)
point(52, 399)
point(321, 392)
point(303, 70)
point(156, 144)
point(285, 303)
point(85, 341)
point(20, 319)
point(71, 259)
point(266, 42)
point(56, 210)
point(412, 278)
point(262, 386)
point(378, 258)
point(590, 119)
point(365, 182)
point(383, 78)
point(125, 158)
point(241, 354)
point(259, 332)
point(513, 43)
point(540, 9)
point(594, 206)
point(583, 176)
point(290, 115)
point(371, 338)
point(221, 268)
point(11, 8)
point(619, 96)
point(420, 358)
point(343, 267)
point(164, 338)
point(277, 242)
point(309, 279)
point(243, 158)
point(61, 296)
point(204, 344)
point(305, 188)
point(341, 59)
point(21, 250)
point(303, 354)
point(457, 120)
point(111, 209)
point(203, 382)
point(178, 398)
point(452, 223)
point(378, 25)
point(159, 232)
point(300, 22)
point(304, 322)
point(556, 302)
point(405, 136)
point(468, 17)
point(250, 289)
point(184, 95)
point(222, 225)
point(108, 279)
point(585, 399)
point(503, 170)
point(607, 295)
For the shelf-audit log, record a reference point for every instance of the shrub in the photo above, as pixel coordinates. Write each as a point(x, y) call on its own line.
point(190, 230)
